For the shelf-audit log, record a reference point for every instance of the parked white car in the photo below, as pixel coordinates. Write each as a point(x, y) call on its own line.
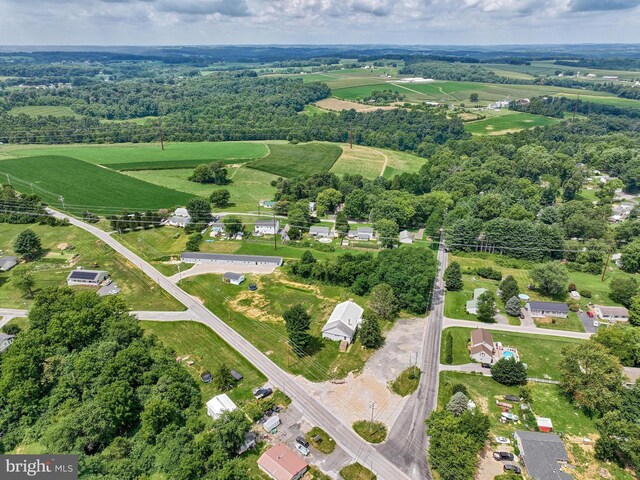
point(503, 440)
point(596, 323)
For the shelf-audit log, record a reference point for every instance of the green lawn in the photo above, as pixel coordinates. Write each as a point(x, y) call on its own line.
point(44, 111)
point(82, 249)
point(291, 161)
point(208, 351)
point(509, 121)
point(541, 353)
point(407, 382)
point(548, 401)
point(355, 471)
point(21, 322)
point(147, 152)
point(257, 316)
point(86, 186)
point(372, 432)
point(325, 443)
point(247, 187)
point(571, 323)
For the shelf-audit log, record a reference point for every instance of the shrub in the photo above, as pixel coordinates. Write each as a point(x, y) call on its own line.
point(572, 287)
point(490, 273)
point(585, 293)
point(509, 372)
point(448, 349)
point(573, 305)
point(459, 387)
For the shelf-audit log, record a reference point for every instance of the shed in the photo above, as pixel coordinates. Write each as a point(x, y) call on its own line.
point(7, 263)
point(271, 423)
point(405, 236)
point(220, 404)
point(233, 278)
point(544, 424)
point(237, 376)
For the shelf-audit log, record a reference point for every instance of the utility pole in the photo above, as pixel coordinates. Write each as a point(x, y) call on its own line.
point(275, 232)
point(372, 406)
point(606, 264)
point(161, 133)
point(351, 135)
point(61, 198)
point(575, 108)
point(8, 180)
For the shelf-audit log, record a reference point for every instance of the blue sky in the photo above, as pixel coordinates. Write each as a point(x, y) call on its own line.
point(166, 22)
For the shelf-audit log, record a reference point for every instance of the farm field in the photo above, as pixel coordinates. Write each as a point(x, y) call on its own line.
point(290, 161)
point(368, 162)
point(541, 353)
point(508, 121)
point(89, 187)
point(257, 316)
point(44, 111)
point(81, 249)
point(202, 346)
point(248, 186)
point(548, 67)
point(125, 153)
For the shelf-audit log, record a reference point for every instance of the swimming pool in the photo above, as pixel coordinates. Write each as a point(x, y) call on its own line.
point(507, 355)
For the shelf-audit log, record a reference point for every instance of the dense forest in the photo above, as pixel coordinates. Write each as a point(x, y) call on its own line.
point(83, 379)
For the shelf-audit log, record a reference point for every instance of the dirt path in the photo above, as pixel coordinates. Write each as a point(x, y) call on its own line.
point(384, 165)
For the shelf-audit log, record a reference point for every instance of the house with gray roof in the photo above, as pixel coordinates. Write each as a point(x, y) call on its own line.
point(319, 232)
point(548, 309)
point(343, 322)
point(230, 259)
point(472, 305)
point(8, 262)
point(5, 341)
point(612, 314)
point(233, 278)
point(405, 236)
point(543, 455)
point(81, 276)
point(365, 233)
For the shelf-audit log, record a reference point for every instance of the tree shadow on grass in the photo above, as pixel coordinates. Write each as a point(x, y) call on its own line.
point(315, 346)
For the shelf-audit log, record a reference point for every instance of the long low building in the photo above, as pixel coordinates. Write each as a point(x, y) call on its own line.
point(227, 258)
point(86, 277)
point(612, 314)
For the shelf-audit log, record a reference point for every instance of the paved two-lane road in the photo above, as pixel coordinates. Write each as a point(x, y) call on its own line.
point(316, 413)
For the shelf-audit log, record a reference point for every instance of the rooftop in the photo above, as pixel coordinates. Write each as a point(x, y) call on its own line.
point(266, 223)
point(613, 311)
point(543, 455)
point(4, 336)
point(233, 276)
point(281, 463)
point(86, 275)
point(549, 306)
point(480, 335)
point(229, 257)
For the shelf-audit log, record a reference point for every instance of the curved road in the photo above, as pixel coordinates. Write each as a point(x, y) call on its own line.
point(316, 413)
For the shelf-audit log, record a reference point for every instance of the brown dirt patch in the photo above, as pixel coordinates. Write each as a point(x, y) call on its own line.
point(337, 105)
point(253, 305)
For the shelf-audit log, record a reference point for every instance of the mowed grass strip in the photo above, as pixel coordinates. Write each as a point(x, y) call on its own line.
point(508, 122)
point(148, 152)
point(169, 164)
point(86, 186)
point(297, 160)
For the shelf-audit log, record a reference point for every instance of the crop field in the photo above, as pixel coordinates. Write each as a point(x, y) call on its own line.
point(368, 162)
point(234, 152)
point(549, 68)
point(508, 121)
point(296, 160)
point(247, 187)
point(86, 186)
point(44, 111)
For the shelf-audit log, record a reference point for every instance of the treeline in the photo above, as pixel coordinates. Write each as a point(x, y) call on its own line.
point(604, 63)
point(84, 379)
point(558, 107)
point(22, 209)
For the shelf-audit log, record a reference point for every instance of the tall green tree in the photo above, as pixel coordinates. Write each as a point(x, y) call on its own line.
point(22, 279)
point(383, 302)
point(327, 201)
point(232, 225)
point(634, 311)
point(220, 198)
point(27, 244)
point(513, 306)
point(509, 288)
point(486, 307)
point(342, 224)
point(509, 372)
point(550, 278)
point(630, 257)
point(370, 333)
point(387, 232)
point(623, 289)
point(297, 322)
point(453, 277)
point(458, 404)
point(200, 211)
point(222, 378)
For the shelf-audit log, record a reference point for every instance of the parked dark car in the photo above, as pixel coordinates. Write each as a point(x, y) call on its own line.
point(302, 441)
point(485, 365)
point(512, 398)
point(253, 287)
point(260, 393)
point(521, 316)
point(512, 468)
point(503, 456)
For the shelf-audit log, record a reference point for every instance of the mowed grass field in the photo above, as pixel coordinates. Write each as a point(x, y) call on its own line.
point(247, 187)
point(508, 121)
point(286, 160)
point(44, 111)
point(368, 162)
point(128, 153)
point(86, 186)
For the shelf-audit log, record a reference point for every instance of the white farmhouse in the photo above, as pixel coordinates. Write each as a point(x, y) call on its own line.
point(266, 227)
point(343, 322)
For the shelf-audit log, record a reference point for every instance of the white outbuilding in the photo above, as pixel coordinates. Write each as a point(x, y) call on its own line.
point(220, 404)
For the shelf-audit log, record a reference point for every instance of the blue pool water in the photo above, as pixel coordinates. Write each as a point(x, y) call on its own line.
point(507, 355)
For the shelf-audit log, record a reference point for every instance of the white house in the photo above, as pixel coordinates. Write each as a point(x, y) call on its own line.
point(220, 404)
point(481, 348)
point(181, 212)
point(319, 232)
point(612, 314)
point(548, 309)
point(343, 322)
point(472, 305)
point(233, 278)
point(266, 227)
point(178, 221)
point(365, 233)
point(5, 341)
point(86, 277)
point(405, 236)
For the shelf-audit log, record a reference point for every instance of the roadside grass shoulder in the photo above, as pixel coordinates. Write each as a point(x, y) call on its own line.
point(292, 161)
point(407, 382)
point(372, 432)
point(355, 471)
point(325, 443)
point(196, 342)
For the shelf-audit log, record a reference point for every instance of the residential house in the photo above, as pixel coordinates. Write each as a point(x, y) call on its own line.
point(220, 404)
point(8, 262)
point(481, 348)
point(233, 278)
point(267, 203)
point(86, 277)
point(343, 322)
point(548, 309)
point(405, 236)
point(472, 305)
point(5, 341)
point(181, 212)
point(365, 233)
point(320, 232)
point(178, 221)
point(543, 455)
point(266, 227)
point(280, 463)
point(230, 259)
point(612, 314)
